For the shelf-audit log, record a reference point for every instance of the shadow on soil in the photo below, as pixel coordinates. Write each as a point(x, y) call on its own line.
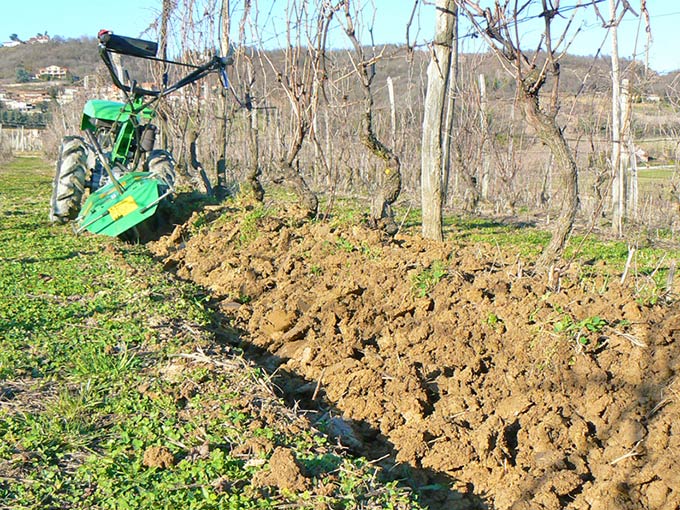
point(434, 489)
point(167, 217)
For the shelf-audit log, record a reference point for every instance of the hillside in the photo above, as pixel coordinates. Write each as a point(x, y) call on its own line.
point(81, 58)
point(78, 55)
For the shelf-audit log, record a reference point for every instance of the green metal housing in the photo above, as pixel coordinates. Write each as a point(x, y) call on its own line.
point(121, 205)
point(124, 114)
point(110, 212)
point(112, 111)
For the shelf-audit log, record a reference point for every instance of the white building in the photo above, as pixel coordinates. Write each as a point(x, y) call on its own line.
point(52, 72)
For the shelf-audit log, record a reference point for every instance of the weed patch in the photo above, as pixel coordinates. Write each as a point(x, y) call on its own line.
point(423, 282)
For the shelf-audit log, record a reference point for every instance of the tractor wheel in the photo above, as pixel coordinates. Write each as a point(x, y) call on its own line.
point(69, 180)
point(161, 165)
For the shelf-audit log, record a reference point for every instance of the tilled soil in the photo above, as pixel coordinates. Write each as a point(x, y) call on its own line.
point(520, 391)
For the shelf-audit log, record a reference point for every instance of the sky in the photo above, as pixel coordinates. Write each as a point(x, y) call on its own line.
point(75, 18)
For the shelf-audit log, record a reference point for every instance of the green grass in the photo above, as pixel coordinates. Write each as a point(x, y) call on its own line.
point(665, 174)
point(526, 240)
point(423, 282)
point(649, 267)
point(103, 356)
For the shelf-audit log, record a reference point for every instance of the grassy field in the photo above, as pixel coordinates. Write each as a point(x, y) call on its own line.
point(115, 393)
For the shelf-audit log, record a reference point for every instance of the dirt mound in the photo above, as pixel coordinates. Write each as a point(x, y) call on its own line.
point(159, 457)
point(523, 394)
point(284, 472)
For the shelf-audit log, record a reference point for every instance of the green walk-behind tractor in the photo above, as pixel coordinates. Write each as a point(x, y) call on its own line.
point(116, 161)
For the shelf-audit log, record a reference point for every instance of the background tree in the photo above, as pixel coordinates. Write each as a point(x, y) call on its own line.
point(22, 75)
point(225, 43)
point(531, 71)
point(161, 68)
point(301, 77)
point(387, 181)
point(249, 104)
point(618, 175)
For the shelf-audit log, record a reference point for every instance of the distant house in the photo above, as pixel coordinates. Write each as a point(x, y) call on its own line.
point(67, 95)
point(52, 73)
point(33, 96)
point(23, 100)
point(39, 39)
point(21, 106)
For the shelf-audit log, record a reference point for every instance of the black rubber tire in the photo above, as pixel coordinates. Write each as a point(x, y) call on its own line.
point(69, 180)
point(161, 165)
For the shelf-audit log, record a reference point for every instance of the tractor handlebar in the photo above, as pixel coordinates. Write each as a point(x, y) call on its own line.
point(110, 43)
point(127, 45)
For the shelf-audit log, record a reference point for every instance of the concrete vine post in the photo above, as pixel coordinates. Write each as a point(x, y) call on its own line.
point(618, 176)
point(619, 189)
point(438, 74)
point(627, 139)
